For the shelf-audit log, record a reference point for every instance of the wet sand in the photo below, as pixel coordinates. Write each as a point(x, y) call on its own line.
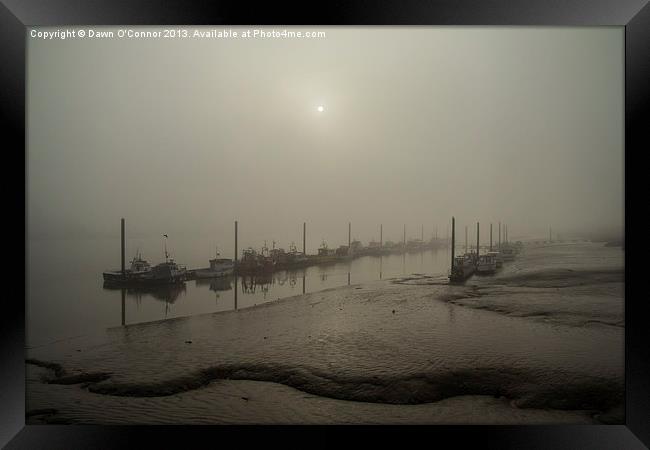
point(540, 342)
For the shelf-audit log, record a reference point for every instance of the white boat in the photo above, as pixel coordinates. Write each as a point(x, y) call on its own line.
point(219, 267)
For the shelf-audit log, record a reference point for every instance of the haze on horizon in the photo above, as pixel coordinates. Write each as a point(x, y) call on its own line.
point(489, 124)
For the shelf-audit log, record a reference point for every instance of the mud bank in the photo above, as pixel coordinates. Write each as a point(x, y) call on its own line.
point(398, 351)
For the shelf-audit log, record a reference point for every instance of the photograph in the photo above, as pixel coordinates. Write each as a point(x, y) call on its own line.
point(325, 225)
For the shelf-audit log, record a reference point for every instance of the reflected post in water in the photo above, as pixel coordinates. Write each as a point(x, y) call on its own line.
point(236, 290)
point(123, 306)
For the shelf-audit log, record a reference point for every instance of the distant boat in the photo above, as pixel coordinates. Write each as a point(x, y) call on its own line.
point(219, 267)
point(142, 274)
point(139, 268)
point(167, 272)
point(291, 259)
point(254, 262)
point(324, 250)
point(487, 264)
point(508, 253)
point(498, 258)
point(328, 255)
point(463, 268)
point(414, 245)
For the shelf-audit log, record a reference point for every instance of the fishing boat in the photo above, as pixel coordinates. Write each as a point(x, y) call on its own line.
point(462, 266)
point(414, 245)
point(295, 258)
point(462, 269)
point(487, 264)
point(139, 267)
point(324, 250)
point(219, 267)
point(498, 258)
point(168, 272)
point(343, 251)
point(329, 255)
point(507, 253)
point(254, 262)
point(356, 248)
point(279, 256)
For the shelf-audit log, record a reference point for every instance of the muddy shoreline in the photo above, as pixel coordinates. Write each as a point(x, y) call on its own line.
point(543, 343)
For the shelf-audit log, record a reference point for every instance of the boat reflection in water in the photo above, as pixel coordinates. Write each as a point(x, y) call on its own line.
point(251, 284)
point(237, 291)
point(167, 293)
point(259, 285)
point(216, 284)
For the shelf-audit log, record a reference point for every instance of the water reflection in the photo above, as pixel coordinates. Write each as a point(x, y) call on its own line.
point(216, 284)
point(123, 307)
point(251, 284)
point(167, 293)
point(207, 295)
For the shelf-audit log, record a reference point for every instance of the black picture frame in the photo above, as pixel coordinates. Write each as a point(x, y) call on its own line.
point(17, 15)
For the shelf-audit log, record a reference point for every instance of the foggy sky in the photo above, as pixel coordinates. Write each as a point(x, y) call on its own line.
point(519, 125)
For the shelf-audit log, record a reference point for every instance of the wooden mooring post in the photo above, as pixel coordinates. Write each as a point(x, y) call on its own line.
point(453, 239)
point(236, 252)
point(123, 250)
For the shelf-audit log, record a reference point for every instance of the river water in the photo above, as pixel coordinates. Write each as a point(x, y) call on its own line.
point(66, 297)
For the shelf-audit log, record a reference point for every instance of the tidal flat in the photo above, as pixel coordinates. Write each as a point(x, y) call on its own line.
point(542, 341)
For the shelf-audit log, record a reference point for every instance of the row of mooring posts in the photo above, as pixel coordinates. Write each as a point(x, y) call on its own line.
point(381, 237)
point(304, 249)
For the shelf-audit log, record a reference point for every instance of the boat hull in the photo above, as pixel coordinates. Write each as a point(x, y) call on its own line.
point(208, 273)
point(488, 270)
point(160, 276)
point(461, 273)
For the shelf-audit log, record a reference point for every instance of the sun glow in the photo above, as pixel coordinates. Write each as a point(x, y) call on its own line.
point(320, 108)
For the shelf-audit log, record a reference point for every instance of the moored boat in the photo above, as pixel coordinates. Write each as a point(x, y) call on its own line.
point(219, 267)
point(139, 267)
point(462, 269)
point(498, 259)
point(254, 262)
point(487, 264)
